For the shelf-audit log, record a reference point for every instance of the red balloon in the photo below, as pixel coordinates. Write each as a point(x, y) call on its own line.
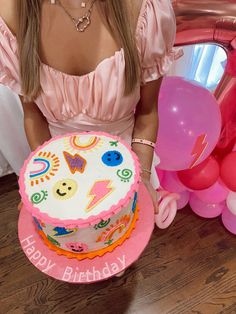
point(202, 176)
point(228, 171)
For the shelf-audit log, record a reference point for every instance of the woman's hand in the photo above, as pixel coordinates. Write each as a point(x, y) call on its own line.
point(152, 192)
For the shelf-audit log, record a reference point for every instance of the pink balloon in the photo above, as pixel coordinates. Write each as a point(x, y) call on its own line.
point(186, 137)
point(229, 220)
point(167, 209)
point(205, 210)
point(231, 202)
point(213, 21)
point(217, 193)
point(183, 200)
point(171, 182)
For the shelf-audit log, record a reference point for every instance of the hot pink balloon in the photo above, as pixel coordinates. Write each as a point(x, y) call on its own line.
point(171, 182)
point(183, 199)
point(217, 193)
point(186, 137)
point(205, 210)
point(160, 174)
point(229, 220)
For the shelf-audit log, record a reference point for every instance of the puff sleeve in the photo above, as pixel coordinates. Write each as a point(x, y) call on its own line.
point(155, 37)
point(9, 61)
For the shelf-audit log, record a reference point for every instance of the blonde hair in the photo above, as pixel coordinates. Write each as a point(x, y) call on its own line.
point(28, 37)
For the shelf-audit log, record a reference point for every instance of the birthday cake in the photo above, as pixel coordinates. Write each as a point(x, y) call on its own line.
point(81, 190)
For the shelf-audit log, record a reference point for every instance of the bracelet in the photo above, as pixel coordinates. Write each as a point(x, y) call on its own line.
point(146, 170)
point(144, 142)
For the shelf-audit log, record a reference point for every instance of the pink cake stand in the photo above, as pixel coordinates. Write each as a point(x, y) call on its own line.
point(88, 270)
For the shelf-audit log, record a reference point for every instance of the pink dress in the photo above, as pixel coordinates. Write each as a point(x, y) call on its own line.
point(95, 101)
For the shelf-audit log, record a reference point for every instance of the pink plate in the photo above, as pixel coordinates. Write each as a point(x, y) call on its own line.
point(88, 270)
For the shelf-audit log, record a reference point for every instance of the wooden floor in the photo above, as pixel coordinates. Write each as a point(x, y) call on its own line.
point(189, 268)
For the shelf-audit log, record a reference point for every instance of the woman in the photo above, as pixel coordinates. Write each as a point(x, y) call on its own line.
point(89, 65)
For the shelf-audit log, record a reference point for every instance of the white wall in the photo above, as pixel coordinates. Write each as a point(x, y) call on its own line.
point(13, 144)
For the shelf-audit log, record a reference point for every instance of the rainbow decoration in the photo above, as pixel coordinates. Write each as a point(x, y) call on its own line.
point(119, 226)
point(45, 164)
point(75, 144)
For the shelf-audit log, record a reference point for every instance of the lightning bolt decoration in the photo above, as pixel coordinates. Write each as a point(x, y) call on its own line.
point(75, 162)
point(99, 191)
point(199, 148)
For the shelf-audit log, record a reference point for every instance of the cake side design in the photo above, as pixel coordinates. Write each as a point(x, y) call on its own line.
point(119, 226)
point(38, 223)
point(102, 224)
point(78, 247)
point(96, 237)
point(53, 241)
point(62, 232)
point(135, 202)
point(93, 254)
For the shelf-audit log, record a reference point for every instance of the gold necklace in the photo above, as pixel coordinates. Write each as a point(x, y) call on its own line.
point(82, 22)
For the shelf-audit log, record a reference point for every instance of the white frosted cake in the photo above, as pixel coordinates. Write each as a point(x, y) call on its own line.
point(81, 190)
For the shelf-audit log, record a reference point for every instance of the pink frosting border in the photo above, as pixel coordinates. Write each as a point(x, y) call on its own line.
point(92, 220)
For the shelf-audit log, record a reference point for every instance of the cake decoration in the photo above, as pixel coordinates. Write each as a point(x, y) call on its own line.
point(89, 199)
point(114, 143)
point(44, 166)
point(91, 254)
point(102, 224)
point(125, 174)
point(77, 143)
point(112, 158)
point(77, 247)
point(62, 232)
point(37, 223)
point(65, 189)
point(53, 241)
point(99, 191)
point(119, 226)
point(75, 162)
point(39, 197)
point(135, 202)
